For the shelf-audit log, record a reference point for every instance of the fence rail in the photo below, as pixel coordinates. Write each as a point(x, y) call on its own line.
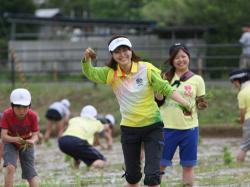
point(213, 61)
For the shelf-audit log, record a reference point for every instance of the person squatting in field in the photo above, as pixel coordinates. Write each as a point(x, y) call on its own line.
point(134, 82)
point(107, 133)
point(78, 138)
point(241, 81)
point(57, 114)
point(20, 131)
point(181, 128)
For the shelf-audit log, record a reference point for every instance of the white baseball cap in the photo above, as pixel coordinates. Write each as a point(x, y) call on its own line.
point(20, 96)
point(110, 118)
point(119, 42)
point(88, 111)
point(65, 102)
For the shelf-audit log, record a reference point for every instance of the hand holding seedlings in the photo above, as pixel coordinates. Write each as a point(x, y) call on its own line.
point(24, 144)
point(89, 53)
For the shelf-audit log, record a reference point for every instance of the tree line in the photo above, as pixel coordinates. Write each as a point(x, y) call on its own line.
point(226, 17)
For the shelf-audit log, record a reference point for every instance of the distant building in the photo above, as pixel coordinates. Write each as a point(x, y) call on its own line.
point(47, 12)
point(54, 26)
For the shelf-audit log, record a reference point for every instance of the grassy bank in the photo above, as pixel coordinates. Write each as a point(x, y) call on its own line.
point(222, 111)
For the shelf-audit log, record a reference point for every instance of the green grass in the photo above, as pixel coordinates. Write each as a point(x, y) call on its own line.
point(79, 94)
point(222, 110)
point(223, 107)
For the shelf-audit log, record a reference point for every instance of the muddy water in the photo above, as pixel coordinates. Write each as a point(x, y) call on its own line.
point(53, 170)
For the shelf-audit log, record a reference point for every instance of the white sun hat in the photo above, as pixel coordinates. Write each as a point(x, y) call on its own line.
point(119, 42)
point(88, 111)
point(65, 102)
point(20, 96)
point(110, 118)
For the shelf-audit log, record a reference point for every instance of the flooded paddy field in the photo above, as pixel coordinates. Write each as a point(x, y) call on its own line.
point(217, 167)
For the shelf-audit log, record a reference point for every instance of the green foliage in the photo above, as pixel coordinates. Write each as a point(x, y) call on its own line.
point(13, 6)
point(200, 140)
point(227, 156)
point(166, 12)
point(3, 48)
point(225, 16)
point(222, 100)
point(77, 8)
point(222, 106)
point(67, 158)
point(28, 6)
point(48, 143)
point(119, 9)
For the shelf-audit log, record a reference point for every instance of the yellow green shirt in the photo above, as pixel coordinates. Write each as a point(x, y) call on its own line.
point(171, 113)
point(83, 128)
point(134, 91)
point(244, 98)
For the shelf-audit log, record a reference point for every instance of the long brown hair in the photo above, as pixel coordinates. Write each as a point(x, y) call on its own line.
point(174, 49)
point(112, 63)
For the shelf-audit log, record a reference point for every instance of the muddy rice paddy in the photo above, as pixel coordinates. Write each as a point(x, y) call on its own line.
point(217, 167)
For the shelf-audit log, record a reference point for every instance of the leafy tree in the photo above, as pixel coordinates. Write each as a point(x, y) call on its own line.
point(165, 12)
point(13, 6)
point(118, 9)
point(76, 8)
point(225, 16)
point(17, 6)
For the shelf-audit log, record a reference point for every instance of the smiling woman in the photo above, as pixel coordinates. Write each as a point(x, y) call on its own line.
point(134, 83)
point(181, 127)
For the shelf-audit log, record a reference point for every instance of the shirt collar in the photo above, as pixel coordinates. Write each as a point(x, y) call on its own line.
point(121, 73)
point(245, 84)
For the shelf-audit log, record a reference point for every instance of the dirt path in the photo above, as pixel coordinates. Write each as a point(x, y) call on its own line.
point(53, 170)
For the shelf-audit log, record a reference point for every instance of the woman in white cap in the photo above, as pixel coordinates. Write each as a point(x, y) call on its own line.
point(19, 134)
point(58, 113)
point(78, 139)
point(134, 83)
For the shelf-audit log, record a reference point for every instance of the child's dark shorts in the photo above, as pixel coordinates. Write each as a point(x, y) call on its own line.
point(53, 115)
point(79, 149)
point(26, 158)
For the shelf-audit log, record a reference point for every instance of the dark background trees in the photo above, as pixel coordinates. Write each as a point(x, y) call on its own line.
point(13, 6)
point(226, 17)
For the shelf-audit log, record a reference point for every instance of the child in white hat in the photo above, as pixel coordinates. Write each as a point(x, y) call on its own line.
point(20, 131)
point(78, 139)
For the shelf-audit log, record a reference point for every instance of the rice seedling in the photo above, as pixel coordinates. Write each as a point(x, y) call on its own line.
point(227, 156)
